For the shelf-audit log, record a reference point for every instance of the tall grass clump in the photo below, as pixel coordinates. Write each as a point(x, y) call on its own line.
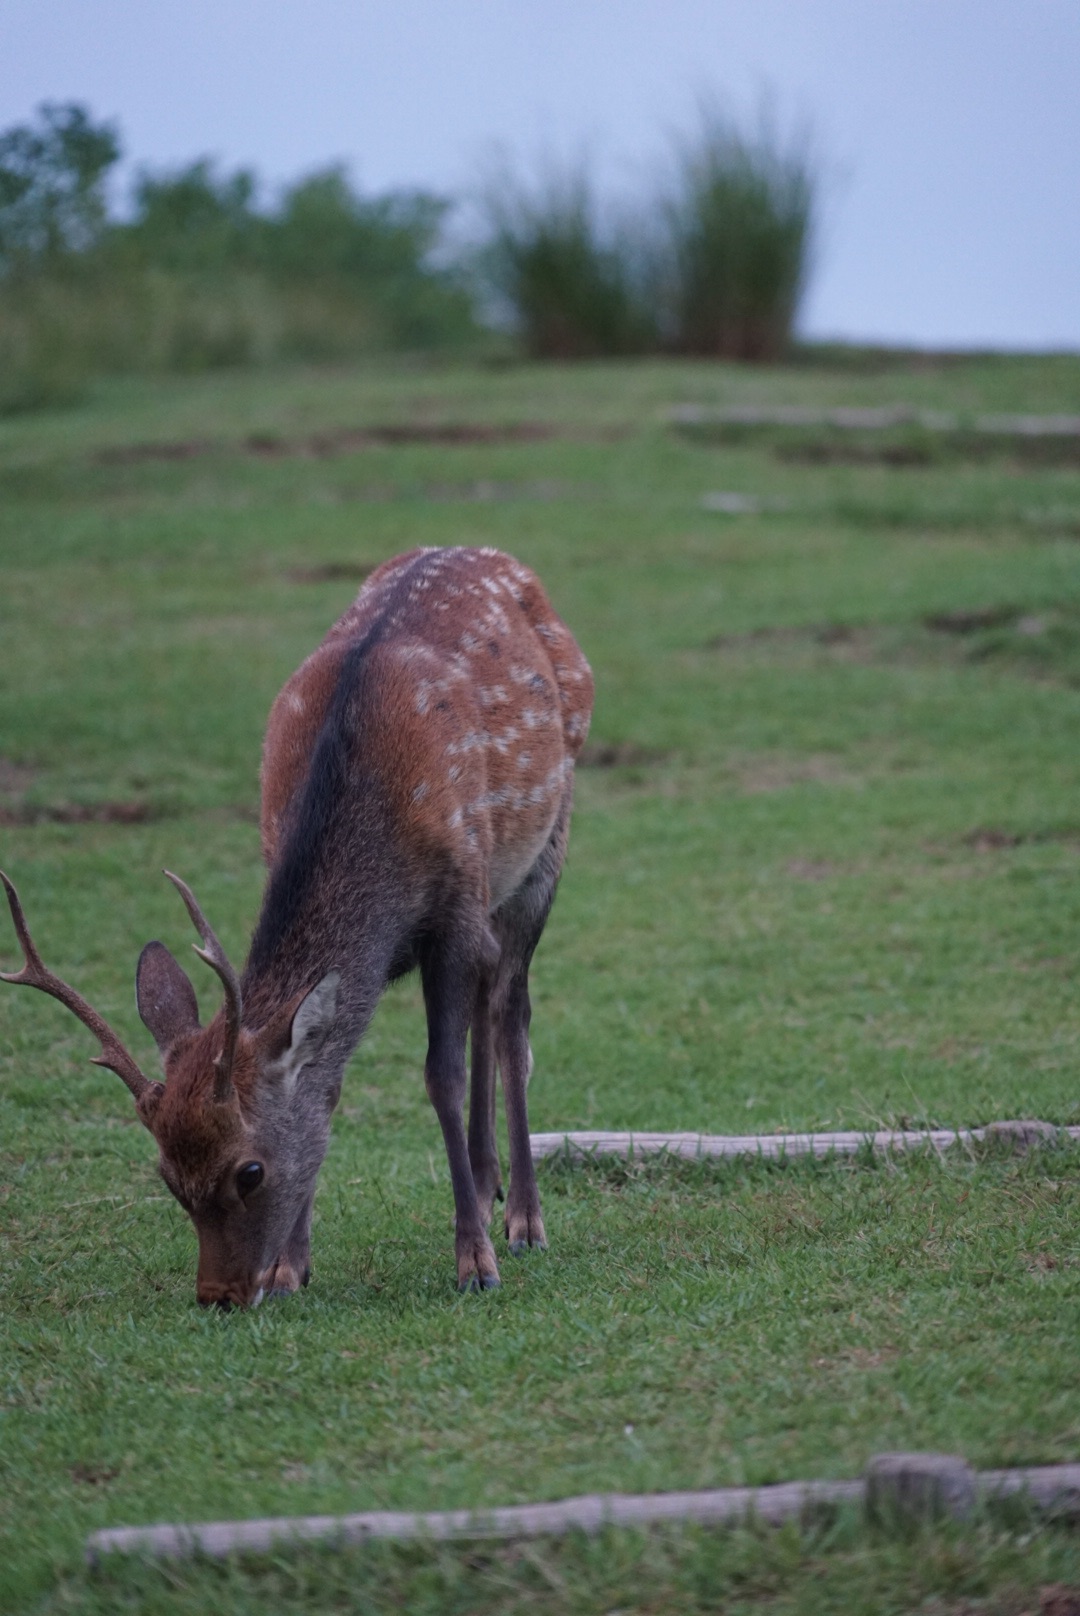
point(572, 285)
point(738, 219)
point(712, 263)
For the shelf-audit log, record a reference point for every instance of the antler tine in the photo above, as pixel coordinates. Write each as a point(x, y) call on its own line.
point(217, 959)
point(35, 974)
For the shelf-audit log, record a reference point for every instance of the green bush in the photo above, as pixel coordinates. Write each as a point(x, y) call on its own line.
point(738, 219)
point(571, 287)
point(201, 275)
point(714, 264)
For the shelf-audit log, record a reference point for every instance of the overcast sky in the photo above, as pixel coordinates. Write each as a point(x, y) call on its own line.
point(949, 129)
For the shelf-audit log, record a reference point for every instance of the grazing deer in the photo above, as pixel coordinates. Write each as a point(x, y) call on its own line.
point(416, 782)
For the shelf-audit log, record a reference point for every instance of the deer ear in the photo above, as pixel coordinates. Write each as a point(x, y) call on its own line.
point(311, 1023)
point(165, 997)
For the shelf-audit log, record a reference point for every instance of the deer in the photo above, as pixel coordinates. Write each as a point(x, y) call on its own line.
point(416, 785)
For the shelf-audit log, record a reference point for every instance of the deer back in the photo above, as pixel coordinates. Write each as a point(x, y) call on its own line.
point(462, 694)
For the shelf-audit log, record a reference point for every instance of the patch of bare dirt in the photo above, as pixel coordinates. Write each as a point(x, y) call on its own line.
point(134, 454)
point(860, 1357)
point(336, 441)
point(994, 839)
point(766, 772)
point(990, 839)
point(78, 813)
point(93, 1475)
point(970, 621)
point(842, 452)
point(331, 572)
point(617, 755)
point(843, 639)
point(812, 869)
point(1055, 1599)
point(15, 778)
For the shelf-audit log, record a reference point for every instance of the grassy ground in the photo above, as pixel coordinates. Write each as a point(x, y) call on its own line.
point(823, 873)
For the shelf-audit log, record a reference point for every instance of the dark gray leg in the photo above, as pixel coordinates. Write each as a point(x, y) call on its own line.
point(450, 974)
point(518, 926)
point(483, 1145)
point(293, 1267)
point(524, 1224)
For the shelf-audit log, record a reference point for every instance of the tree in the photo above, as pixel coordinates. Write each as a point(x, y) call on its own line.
point(52, 185)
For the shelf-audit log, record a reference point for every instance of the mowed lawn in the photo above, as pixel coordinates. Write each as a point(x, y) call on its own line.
point(824, 872)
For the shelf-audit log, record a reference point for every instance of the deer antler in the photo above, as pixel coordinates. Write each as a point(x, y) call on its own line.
point(217, 959)
point(34, 974)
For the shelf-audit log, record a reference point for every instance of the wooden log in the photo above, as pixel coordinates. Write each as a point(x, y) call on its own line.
point(590, 1514)
point(579, 1146)
point(1051, 1489)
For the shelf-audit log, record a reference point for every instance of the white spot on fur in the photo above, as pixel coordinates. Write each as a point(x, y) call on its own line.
point(473, 741)
point(296, 703)
point(420, 792)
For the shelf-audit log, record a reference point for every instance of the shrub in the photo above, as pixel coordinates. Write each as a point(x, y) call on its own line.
point(739, 219)
point(572, 288)
point(201, 275)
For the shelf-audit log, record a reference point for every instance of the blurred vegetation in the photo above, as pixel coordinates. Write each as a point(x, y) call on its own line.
point(739, 218)
point(201, 275)
point(573, 288)
point(714, 265)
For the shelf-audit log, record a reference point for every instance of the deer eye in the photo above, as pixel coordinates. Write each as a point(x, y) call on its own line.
point(248, 1178)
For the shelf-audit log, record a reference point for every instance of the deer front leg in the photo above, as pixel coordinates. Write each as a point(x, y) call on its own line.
point(450, 984)
point(293, 1267)
point(483, 1145)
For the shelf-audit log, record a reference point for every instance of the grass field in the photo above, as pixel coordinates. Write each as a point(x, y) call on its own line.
point(823, 873)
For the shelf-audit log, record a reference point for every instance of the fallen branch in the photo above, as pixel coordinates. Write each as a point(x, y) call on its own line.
point(905, 1485)
point(694, 1146)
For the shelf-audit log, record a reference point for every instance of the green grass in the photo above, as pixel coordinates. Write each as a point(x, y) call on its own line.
point(830, 880)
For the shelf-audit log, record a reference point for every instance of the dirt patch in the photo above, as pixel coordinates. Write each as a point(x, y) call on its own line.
point(970, 621)
point(989, 839)
point(134, 454)
point(860, 1358)
point(344, 440)
point(617, 755)
point(78, 813)
point(993, 839)
point(1034, 643)
point(1055, 1599)
point(93, 1475)
point(15, 778)
point(812, 869)
point(842, 452)
point(332, 572)
point(829, 634)
point(764, 773)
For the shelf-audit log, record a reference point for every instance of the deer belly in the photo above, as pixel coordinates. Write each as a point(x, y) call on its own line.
point(514, 854)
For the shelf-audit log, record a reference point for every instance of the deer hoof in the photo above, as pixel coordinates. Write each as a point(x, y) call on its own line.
point(524, 1231)
point(480, 1282)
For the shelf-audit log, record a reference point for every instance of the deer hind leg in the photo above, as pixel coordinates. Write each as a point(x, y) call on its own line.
point(451, 972)
point(518, 926)
point(483, 1145)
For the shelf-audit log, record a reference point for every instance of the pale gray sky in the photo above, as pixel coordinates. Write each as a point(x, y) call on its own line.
point(951, 127)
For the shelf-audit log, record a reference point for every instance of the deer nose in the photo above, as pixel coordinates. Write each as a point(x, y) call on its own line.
point(222, 1303)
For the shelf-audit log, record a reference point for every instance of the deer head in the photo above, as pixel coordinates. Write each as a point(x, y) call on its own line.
point(241, 1136)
